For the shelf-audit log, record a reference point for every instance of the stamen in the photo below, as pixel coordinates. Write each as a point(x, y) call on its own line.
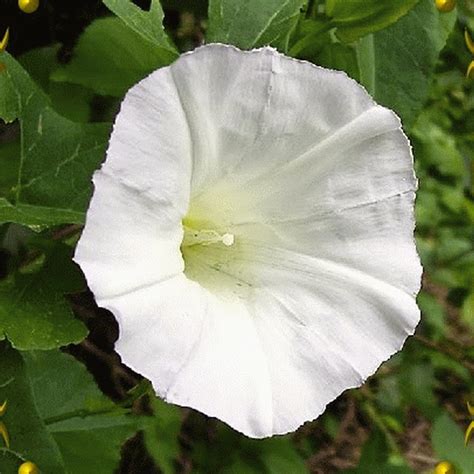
point(205, 237)
point(228, 239)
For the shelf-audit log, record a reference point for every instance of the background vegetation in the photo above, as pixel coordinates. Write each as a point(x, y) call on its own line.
point(71, 406)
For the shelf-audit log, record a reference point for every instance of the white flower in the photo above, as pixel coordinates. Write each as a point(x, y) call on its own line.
point(297, 272)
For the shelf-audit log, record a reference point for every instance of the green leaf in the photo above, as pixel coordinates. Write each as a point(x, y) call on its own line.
point(309, 38)
point(248, 23)
point(375, 451)
point(34, 313)
point(434, 315)
point(243, 455)
point(404, 57)
point(38, 216)
point(448, 364)
point(448, 443)
point(388, 395)
point(89, 442)
point(147, 24)
point(452, 246)
point(29, 439)
point(162, 434)
point(93, 444)
point(417, 382)
point(437, 148)
point(357, 18)
point(49, 371)
point(110, 57)
point(9, 164)
point(57, 156)
point(331, 424)
point(279, 456)
point(365, 59)
point(9, 107)
point(341, 57)
point(467, 311)
point(375, 458)
point(69, 100)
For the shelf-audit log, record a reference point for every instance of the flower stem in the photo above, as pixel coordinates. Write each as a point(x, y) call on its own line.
point(10, 451)
point(364, 396)
point(300, 45)
point(369, 409)
point(82, 413)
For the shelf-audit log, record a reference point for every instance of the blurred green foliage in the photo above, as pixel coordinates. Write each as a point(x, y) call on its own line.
point(411, 58)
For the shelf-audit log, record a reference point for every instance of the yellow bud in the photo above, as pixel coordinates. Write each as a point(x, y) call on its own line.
point(470, 70)
point(445, 6)
point(4, 434)
point(3, 408)
point(3, 47)
point(470, 409)
point(28, 468)
point(469, 42)
point(444, 467)
point(469, 432)
point(28, 6)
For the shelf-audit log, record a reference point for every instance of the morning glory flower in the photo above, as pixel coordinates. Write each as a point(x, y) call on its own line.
point(252, 231)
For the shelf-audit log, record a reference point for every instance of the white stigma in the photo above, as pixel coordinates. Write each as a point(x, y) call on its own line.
point(228, 239)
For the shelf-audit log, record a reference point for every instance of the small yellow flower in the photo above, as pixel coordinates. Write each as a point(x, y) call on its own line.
point(3, 428)
point(4, 42)
point(3, 46)
point(470, 46)
point(4, 434)
point(28, 468)
point(28, 6)
point(444, 467)
point(445, 6)
point(470, 409)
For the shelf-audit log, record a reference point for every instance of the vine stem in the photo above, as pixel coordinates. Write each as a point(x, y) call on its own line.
point(364, 396)
point(372, 413)
point(60, 234)
point(66, 232)
point(453, 354)
point(308, 39)
point(82, 413)
point(10, 451)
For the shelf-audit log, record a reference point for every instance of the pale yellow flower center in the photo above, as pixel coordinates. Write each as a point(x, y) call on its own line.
point(214, 257)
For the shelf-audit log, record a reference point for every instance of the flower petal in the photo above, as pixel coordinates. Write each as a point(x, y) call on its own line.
point(199, 351)
point(253, 110)
point(306, 330)
point(325, 328)
point(340, 186)
point(133, 229)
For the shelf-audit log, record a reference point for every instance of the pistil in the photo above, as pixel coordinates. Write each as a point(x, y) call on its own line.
point(205, 237)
